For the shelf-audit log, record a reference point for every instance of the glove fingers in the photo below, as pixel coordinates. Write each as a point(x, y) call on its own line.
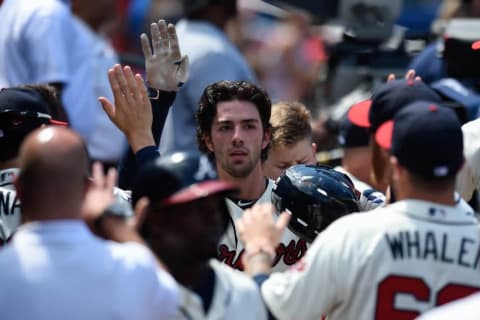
point(147, 50)
point(156, 38)
point(172, 37)
point(182, 72)
point(164, 41)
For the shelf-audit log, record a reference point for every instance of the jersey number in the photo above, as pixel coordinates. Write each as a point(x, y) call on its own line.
point(393, 285)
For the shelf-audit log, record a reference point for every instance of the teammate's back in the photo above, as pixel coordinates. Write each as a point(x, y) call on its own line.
point(403, 259)
point(394, 262)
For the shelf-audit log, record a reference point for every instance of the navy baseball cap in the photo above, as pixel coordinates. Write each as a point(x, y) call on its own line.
point(21, 111)
point(426, 138)
point(352, 135)
point(178, 178)
point(388, 99)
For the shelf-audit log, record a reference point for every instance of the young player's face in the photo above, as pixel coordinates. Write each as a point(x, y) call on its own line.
point(281, 158)
point(237, 138)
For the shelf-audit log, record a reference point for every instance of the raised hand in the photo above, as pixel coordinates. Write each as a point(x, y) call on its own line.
point(258, 230)
point(131, 112)
point(166, 69)
point(409, 75)
point(100, 193)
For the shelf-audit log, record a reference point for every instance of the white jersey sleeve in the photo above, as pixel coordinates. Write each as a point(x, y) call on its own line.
point(313, 285)
point(468, 179)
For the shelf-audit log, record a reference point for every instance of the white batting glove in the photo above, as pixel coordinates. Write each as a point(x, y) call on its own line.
point(166, 69)
point(371, 199)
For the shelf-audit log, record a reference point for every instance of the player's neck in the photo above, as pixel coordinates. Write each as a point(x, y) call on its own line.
point(191, 275)
point(12, 163)
point(250, 187)
point(357, 164)
point(446, 197)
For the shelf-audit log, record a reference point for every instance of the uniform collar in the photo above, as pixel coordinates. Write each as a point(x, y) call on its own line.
point(425, 210)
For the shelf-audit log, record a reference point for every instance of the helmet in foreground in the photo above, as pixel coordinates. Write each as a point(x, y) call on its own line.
point(316, 196)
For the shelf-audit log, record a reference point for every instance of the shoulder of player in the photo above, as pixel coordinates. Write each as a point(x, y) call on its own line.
point(363, 223)
point(239, 279)
point(131, 254)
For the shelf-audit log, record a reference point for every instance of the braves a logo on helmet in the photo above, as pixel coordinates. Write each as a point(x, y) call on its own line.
point(205, 170)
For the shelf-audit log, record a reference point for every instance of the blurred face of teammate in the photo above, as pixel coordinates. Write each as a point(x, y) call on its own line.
point(237, 138)
point(281, 158)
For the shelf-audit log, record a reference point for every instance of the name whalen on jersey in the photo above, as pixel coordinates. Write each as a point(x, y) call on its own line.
point(435, 246)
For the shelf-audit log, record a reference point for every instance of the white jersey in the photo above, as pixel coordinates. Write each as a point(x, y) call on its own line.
point(369, 198)
point(235, 297)
point(10, 216)
point(10, 212)
point(290, 250)
point(390, 263)
point(468, 179)
point(464, 309)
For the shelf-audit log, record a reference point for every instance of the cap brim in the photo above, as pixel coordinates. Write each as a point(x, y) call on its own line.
point(384, 135)
point(358, 113)
point(476, 45)
point(198, 191)
point(58, 123)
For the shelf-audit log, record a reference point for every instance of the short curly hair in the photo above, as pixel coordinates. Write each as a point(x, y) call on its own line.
point(290, 123)
point(227, 91)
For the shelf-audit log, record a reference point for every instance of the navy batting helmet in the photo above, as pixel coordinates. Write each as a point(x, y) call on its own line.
point(316, 196)
point(178, 177)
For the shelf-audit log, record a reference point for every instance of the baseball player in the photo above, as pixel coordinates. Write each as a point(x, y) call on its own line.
point(390, 263)
point(233, 129)
point(468, 179)
point(185, 217)
point(291, 141)
point(22, 109)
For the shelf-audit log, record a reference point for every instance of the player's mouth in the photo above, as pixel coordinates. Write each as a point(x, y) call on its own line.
point(238, 154)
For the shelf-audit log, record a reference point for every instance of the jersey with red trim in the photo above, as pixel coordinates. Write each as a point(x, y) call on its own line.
point(290, 250)
point(390, 263)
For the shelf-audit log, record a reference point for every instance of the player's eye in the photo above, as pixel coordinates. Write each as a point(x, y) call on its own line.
point(224, 128)
point(283, 167)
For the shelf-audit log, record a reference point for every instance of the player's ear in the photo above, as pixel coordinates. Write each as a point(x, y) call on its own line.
point(395, 167)
point(208, 142)
point(140, 211)
point(267, 136)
